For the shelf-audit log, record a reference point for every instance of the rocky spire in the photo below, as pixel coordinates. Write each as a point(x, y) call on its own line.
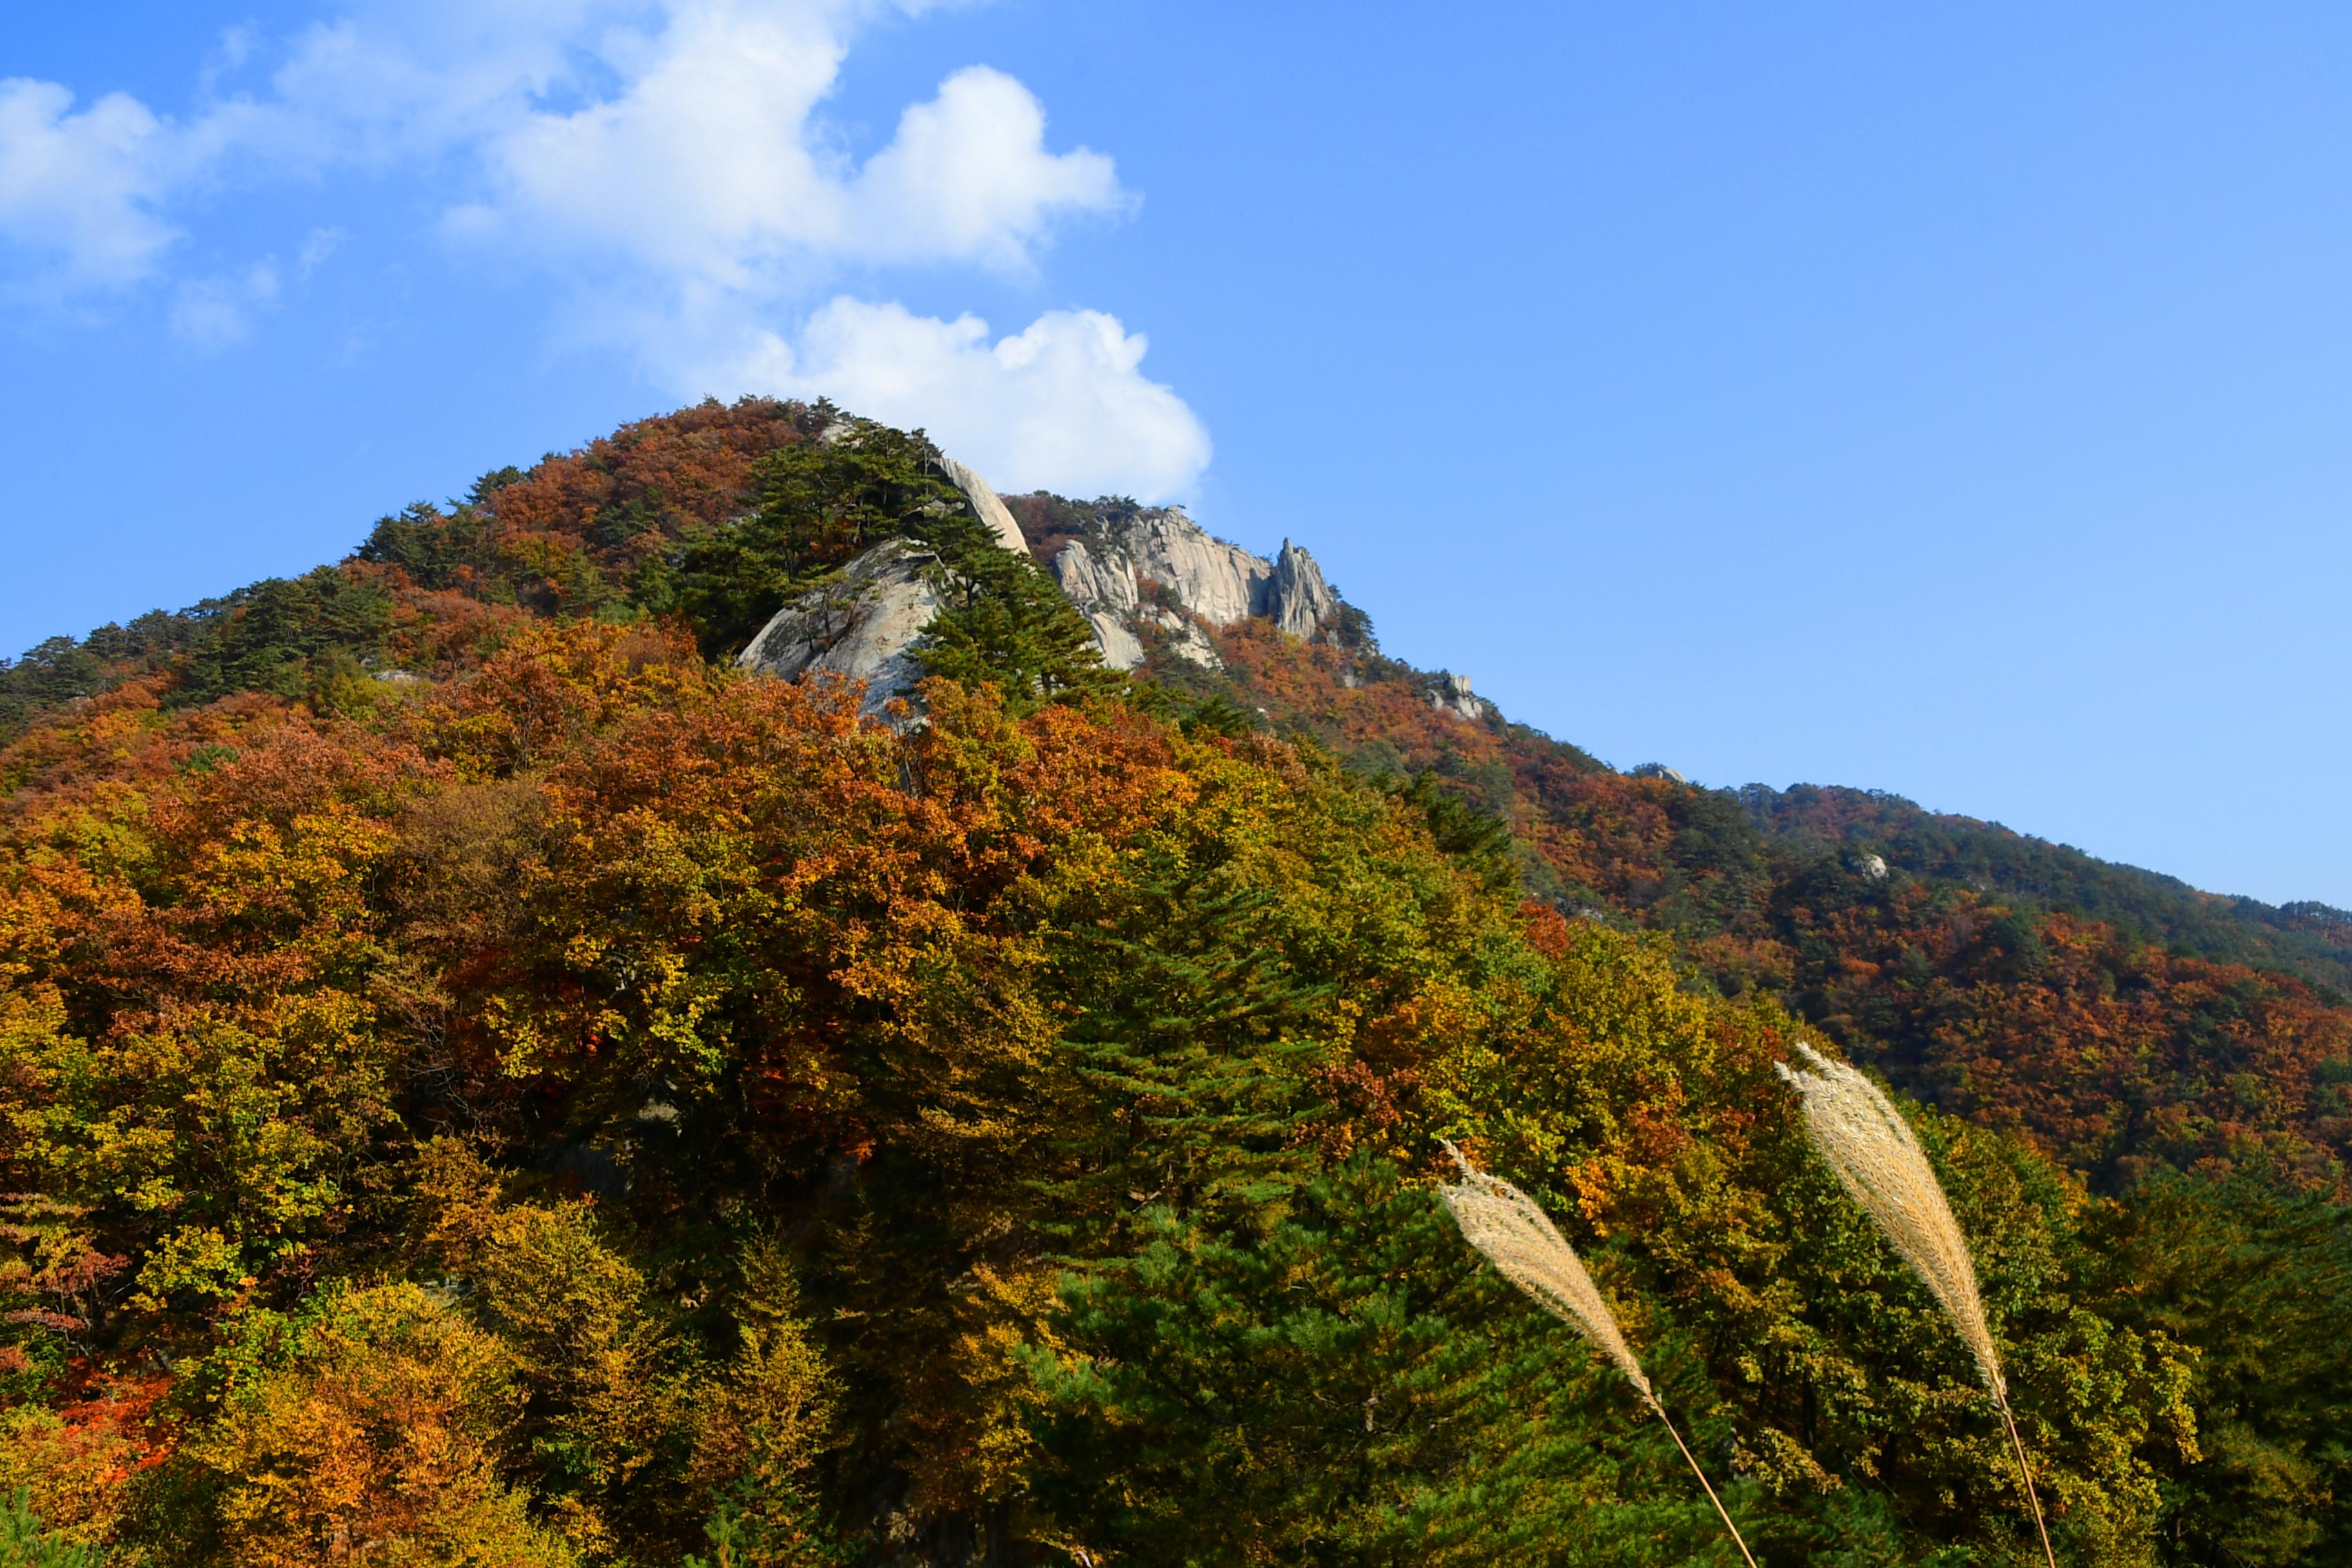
point(1299, 600)
point(985, 501)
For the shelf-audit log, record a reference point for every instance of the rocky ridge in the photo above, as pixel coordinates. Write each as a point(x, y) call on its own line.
point(1144, 578)
point(1108, 572)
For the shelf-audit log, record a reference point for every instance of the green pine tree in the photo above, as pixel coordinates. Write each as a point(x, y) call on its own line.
point(821, 505)
point(1005, 622)
point(24, 1544)
point(1317, 1378)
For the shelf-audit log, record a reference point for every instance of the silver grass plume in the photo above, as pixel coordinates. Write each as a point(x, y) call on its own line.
point(1518, 1238)
point(1878, 1160)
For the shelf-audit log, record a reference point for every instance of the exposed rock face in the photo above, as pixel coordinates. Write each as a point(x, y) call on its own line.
point(1105, 581)
point(1121, 648)
point(1183, 637)
point(985, 501)
point(863, 627)
point(1298, 599)
point(1219, 582)
point(1454, 696)
point(1105, 594)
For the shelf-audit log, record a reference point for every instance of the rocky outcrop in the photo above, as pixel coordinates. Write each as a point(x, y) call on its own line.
point(1298, 599)
point(1117, 639)
point(1103, 581)
point(1203, 577)
point(986, 502)
point(866, 624)
point(1105, 594)
point(1218, 582)
point(863, 627)
point(1453, 695)
point(1181, 635)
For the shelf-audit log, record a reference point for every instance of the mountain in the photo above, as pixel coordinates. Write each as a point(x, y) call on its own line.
point(2111, 1013)
point(735, 996)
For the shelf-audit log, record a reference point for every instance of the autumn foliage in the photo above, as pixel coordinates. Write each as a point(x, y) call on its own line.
point(487, 1083)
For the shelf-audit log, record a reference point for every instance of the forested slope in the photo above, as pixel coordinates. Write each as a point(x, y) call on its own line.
point(2018, 1007)
point(2307, 939)
point(488, 1083)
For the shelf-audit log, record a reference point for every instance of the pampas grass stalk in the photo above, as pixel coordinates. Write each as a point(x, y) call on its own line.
point(1878, 1160)
point(1518, 1239)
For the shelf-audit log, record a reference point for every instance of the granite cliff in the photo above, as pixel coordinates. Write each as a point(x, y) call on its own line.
point(1146, 579)
point(1158, 568)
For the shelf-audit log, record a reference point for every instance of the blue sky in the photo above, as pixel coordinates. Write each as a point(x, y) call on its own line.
point(1949, 401)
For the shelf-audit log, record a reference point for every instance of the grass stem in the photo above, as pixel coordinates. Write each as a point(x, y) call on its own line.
point(2026, 1471)
point(1737, 1539)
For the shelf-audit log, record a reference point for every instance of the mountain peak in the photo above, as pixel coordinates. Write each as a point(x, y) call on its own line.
point(1141, 576)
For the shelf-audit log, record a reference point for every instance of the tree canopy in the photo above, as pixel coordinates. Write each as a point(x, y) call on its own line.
point(488, 1081)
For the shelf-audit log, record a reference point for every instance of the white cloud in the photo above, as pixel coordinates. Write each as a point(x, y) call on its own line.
point(215, 312)
point(968, 176)
point(701, 165)
point(77, 191)
point(688, 143)
point(1061, 406)
point(667, 165)
point(709, 163)
point(401, 82)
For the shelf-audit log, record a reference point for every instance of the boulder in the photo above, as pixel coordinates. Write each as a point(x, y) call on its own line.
point(863, 626)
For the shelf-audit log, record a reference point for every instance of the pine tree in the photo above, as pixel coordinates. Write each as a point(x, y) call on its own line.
point(1005, 622)
point(821, 505)
point(1186, 1065)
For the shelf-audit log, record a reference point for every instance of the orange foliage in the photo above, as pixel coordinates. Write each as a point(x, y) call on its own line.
point(2109, 1053)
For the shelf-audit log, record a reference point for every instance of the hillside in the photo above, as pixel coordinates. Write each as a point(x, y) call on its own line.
point(496, 1075)
point(2114, 1016)
point(2307, 939)
point(2016, 1006)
